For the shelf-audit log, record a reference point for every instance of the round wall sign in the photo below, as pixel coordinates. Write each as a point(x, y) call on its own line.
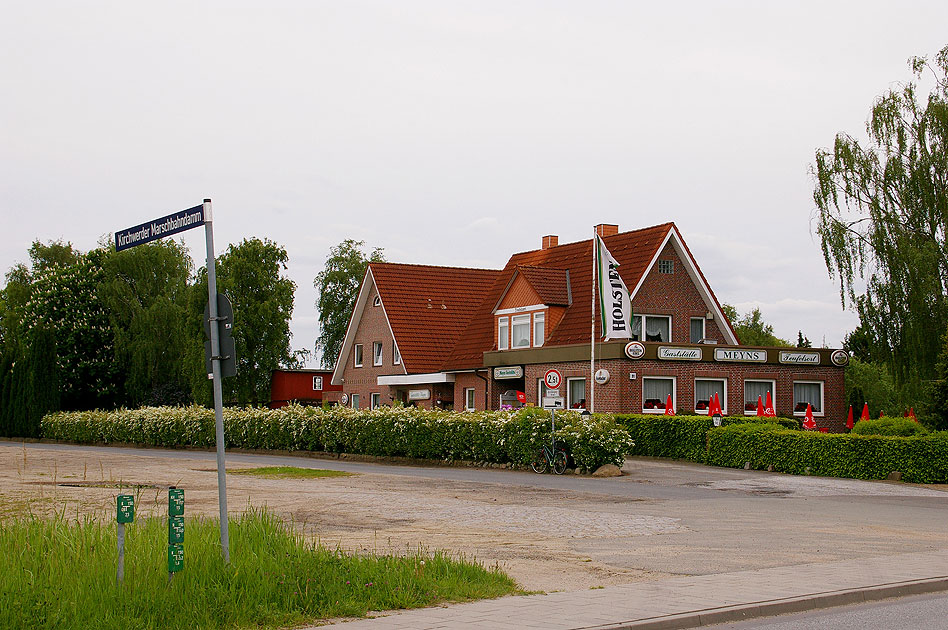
point(344, 399)
point(635, 350)
point(839, 357)
point(602, 376)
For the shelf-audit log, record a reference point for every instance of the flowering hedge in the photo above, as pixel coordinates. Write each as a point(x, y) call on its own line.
point(485, 437)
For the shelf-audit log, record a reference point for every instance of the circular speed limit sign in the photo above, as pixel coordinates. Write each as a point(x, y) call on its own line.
point(552, 379)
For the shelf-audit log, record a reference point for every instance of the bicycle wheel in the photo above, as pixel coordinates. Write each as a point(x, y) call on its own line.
point(559, 462)
point(539, 462)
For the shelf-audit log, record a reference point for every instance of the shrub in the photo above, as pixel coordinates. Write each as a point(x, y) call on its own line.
point(485, 437)
point(905, 427)
point(683, 437)
point(920, 459)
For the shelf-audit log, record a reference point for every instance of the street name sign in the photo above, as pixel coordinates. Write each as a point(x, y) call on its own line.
point(159, 228)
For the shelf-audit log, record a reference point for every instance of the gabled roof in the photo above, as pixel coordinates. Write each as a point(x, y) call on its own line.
point(635, 251)
point(552, 285)
point(428, 307)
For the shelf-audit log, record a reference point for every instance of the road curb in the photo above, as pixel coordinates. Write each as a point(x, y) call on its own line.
point(771, 608)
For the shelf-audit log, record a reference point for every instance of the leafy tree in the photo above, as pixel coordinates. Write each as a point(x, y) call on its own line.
point(882, 217)
point(939, 390)
point(250, 275)
point(64, 298)
point(751, 329)
point(145, 292)
point(868, 382)
point(803, 342)
point(338, 285)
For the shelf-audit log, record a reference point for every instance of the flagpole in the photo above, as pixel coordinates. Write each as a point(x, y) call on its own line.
point(592, 333)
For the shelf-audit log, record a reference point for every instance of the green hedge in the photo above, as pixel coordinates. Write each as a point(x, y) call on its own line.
point(682, 437)
point(906, 427)
point(921, 459)
point(489, 437)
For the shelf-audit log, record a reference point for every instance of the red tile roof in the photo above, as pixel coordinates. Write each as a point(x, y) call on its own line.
point(429, 307)
point(552, 285)
point(632, 250)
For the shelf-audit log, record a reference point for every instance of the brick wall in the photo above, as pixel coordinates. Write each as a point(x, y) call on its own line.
point(363, 381)
point(676, 295)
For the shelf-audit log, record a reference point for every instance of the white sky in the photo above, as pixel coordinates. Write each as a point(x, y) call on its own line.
point(452, 133)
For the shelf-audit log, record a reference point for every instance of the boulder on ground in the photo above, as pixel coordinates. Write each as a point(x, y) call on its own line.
point(608, 470)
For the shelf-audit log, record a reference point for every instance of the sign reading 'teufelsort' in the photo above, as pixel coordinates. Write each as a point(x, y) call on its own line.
point(800, 358)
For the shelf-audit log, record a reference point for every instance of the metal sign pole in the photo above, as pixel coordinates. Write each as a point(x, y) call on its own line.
point(216, 377)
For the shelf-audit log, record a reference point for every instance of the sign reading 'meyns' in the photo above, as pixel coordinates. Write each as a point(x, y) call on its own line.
point(159, 228)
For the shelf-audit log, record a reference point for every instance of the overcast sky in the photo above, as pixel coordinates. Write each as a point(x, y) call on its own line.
point(450, 133)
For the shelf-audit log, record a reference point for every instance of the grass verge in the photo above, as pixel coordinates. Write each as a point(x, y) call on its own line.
point(61, 574)
point(288, 472)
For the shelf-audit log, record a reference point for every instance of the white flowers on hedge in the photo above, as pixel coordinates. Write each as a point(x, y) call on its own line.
point(485, 437)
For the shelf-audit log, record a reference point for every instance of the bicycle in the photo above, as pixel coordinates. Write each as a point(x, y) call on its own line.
point(555, 458)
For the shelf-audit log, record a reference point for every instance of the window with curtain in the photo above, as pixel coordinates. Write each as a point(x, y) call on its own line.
point(520, 327)
point(503, 334)
point(655, 393)
point(539, 321)
point(753, 389)
point(697, 329)
point(636, 328)
point(705, 388)
point(375, 401)
point(576, 393)
point(804, 393)
point(657, 328)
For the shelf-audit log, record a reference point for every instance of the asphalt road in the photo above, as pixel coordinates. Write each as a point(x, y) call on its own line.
point(928, 612)
point(710, 520)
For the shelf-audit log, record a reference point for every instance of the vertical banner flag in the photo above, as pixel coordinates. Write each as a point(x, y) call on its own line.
point(615, 306)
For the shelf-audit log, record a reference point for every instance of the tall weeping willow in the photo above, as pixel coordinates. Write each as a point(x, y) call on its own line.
point(882, 214)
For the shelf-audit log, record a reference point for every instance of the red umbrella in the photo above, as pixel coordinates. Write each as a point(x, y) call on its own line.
point(760, 407)
point(911, 414)
point(769, 409)
point(669, 409)
point(808, 421)
point(849, 420)
point(716, 405)
point(522, 397)
point(865, 412)
point(881, 414)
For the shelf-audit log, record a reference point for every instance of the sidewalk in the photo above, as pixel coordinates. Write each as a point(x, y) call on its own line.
point(688, 602)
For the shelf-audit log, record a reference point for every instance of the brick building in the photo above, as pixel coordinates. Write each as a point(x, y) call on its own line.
point(470, 339)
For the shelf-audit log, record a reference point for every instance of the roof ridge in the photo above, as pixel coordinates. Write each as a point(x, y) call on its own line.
point(667, 225)
point(397, 264)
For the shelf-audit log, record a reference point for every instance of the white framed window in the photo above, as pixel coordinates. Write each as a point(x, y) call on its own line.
point(354, 399)
point(396, 355)
point(376, 353)
point(807, 392)
point(655, 393)
point(469, 400)
point(657, 328)
point(375, 400)
point(317, 383)
point(697, 329)
point(705, 388)
point(539, 324)
point(503, 333)
point(543, 392)
point(666, 266)
point(377, 301)
point(755, 388)
point(576, 393)
point(357, 356)
point(520, 331)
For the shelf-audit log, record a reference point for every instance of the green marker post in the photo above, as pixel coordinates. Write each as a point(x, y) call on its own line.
point(124, 513)
point(175, 531)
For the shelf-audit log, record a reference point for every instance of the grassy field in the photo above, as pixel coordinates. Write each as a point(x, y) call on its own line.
point(288, 472)
point(60, 573)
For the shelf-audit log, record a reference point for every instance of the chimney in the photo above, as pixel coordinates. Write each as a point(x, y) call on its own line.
point(549, 241)
point(607, 229)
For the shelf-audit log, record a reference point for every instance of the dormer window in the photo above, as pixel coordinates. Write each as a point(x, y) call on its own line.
point(503, 333)
point(539, 323)
point(520, 327)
